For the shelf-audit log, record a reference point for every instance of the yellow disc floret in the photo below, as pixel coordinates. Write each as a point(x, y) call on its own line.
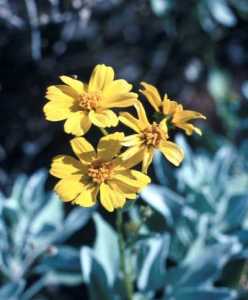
point(89, 101)
point(100, 171)
point(153, 135)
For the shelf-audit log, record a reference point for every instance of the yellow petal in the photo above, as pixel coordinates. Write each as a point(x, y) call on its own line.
point(101, 77)
point(142, 114)
point(68, 90)
point(77, 124)
point(152, 95)
point(83, 149)
point(127, 178)
point(142, 179)
point(123, 188)
point(117, 94)
point(131, 122)
point(61, 93)
point(197, 130)
point(132, 156)
point(105, 118)
point(169, 107)
point(87, 197)
point(187, 115)
point(77, 85)
point(147, 159)
point(119, 100)
point(57, 111)
point(189, 128)
point(163, 126)
point(64, 166)
point(132, 140)
point(109, 146)
point(109, 198)
point(172, 152)
point(69, 188)
point(61, 99)
point(116, 87)
point(129, 187)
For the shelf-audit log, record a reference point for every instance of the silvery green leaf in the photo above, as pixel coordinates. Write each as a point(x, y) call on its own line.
point(182, 142)
point(10, 216)
point(17, 192)
point(32, 291)
point(2, 199)
point(237, 185)
point(161, 168)
point(95, 276)
point(166, 202)
point(65, 259)
point(196, 293)
point(236, 213)
point(198, 245)
point(182, 238)
point(143, 296)
point(12, 290)
point(33, 193)
point(51, 214)
point(76, 219)
point(106, 248)
point(54, 277)
point(152, 273)
point(204, 269)
point(222, 163)
point(242, 236)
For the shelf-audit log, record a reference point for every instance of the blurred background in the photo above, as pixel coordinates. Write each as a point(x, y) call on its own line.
point(196, 51)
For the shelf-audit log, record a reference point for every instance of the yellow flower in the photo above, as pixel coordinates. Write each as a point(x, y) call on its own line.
point(82, 105)
point(100, 172)
point(148, 137)
point(173, 111)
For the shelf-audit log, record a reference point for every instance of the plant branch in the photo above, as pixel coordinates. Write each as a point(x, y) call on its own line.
point(122, 247)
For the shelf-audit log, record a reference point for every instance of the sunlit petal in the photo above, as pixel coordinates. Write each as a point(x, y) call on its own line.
point(152, 95)
point(101, 77)
point(142, 114)
point(78, 123)
point(69, 188)
point(109, 198)
point(172, 152)
point(131, 122)
point(57, 111)
point(83, 149)
point(147, 159)
point(64, 166)
point(77, 85)
point(87, 197)
point(105, 118)
point(109, 146)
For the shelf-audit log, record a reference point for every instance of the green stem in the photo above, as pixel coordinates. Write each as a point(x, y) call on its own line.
point(122, 245)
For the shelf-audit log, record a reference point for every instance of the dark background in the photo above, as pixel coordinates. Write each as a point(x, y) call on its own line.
point(196, 51)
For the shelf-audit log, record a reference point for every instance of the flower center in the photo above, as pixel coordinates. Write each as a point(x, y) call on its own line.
point(88, 101)
point(153, 135)
point(100, 171)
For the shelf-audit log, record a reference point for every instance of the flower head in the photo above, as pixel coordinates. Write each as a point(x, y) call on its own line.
point(82, 105)
point(171, 110)
point(94, 174)
point(148, 137)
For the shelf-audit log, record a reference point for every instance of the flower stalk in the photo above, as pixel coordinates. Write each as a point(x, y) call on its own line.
point(127, 277)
